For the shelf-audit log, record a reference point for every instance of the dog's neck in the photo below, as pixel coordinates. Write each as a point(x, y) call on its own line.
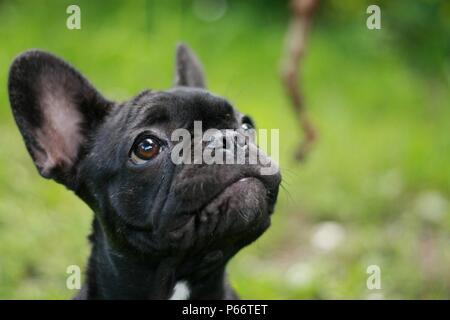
point(114, 275)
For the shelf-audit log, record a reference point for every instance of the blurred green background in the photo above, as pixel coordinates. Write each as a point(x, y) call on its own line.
point(375, 190)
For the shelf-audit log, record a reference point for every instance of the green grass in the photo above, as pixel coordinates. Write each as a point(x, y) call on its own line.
point(380, 170)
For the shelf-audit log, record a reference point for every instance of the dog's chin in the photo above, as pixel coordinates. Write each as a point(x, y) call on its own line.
point(241, 207)
point(233, 219)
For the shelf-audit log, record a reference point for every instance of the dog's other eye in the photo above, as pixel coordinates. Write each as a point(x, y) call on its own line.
point(247, 123)
point(144, 150)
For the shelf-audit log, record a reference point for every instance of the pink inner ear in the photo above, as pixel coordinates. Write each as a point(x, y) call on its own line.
point(60, 134)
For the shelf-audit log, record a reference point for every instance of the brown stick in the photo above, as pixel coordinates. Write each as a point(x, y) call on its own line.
point(295, 45)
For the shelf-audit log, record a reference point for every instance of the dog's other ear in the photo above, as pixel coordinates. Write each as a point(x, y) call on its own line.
point(55, 108)
point(188, 69)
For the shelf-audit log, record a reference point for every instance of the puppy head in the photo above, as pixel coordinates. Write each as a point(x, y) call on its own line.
point(118, 157)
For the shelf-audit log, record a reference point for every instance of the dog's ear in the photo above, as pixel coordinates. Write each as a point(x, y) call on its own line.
point(55, 108)
point(188, 69)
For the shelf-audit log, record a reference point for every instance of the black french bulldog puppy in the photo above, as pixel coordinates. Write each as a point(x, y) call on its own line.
point(161, 230)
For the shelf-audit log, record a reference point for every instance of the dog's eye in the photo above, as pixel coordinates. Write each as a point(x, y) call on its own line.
point(247, 123)
point(144, 150)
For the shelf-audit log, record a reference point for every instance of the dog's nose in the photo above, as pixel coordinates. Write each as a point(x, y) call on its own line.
point(222, 139)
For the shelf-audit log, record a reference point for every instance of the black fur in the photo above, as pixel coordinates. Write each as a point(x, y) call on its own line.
point(154, 224)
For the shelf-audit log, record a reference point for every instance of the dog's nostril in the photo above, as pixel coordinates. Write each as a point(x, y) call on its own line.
point(226, 143)
point(221, 140)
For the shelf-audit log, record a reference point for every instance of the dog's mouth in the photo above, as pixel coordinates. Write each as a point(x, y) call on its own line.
point(237, 209)
point(228, 197)
point(246, 187)
point(228, 218)
point(237, 187)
